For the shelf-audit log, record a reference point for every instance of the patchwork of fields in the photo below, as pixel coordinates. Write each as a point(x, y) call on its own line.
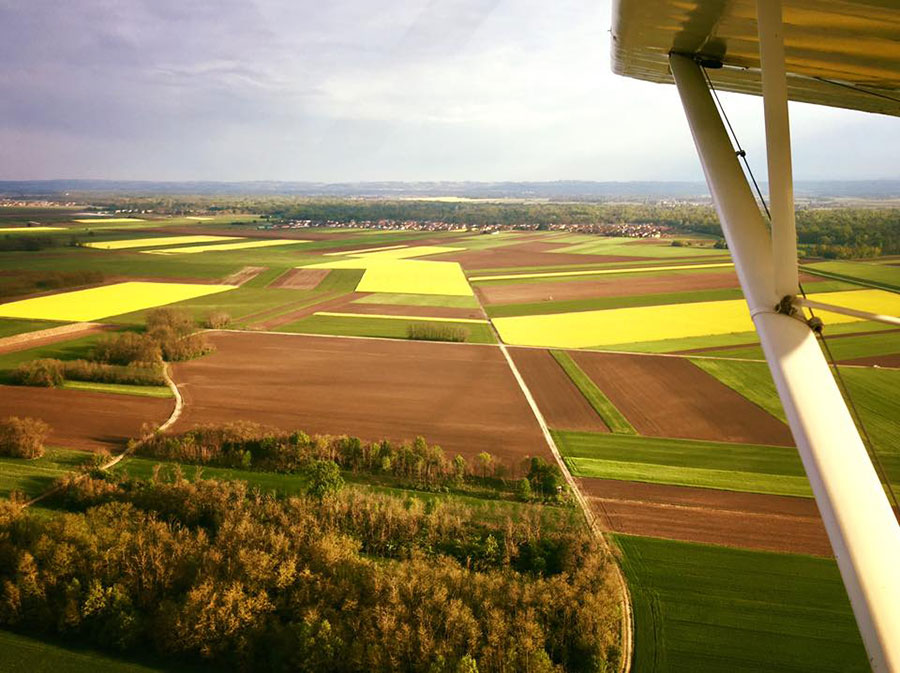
point(639, 356)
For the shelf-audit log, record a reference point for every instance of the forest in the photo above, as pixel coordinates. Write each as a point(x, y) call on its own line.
point(336, 580)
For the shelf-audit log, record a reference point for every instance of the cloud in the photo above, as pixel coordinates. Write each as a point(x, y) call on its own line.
point(355, 90)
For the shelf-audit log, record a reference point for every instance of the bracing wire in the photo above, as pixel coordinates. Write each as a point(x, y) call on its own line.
point(842, 384)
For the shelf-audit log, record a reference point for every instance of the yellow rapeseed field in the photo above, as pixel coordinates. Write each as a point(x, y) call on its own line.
point(108, 300)
point(156, 242)
point(677, 321)
point(243, 245)
point(109, 220)
point(25, 230)
point(389, 270)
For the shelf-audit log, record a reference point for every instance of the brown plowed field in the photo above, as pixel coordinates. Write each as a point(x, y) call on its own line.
point(243, 275)
point(560, 401)
point(526, 254)
point(85, 420)
point(300, 279)
point(624, 285)
point(426, 311)
point(462, 397)
point(334, 304)
point(750, 520)
point(892, 360)
point(671, 397)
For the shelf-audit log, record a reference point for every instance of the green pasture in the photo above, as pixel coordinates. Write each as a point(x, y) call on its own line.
point(879, 275)
point(119, 388)
point(35, 476)
point(365, 326)
point(842, 347)
point(701, 608)
point(13, 326)
point(750, 468)
point(25, 654)
point(874, 392)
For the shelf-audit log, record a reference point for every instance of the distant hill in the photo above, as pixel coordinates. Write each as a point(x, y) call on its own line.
point(563, 189)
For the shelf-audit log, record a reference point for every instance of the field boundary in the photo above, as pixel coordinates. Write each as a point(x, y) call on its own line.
point(627, 615)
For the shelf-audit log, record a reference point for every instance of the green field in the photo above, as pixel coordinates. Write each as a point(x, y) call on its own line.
point(703, 608)
point(376, 327)
point(613, 418)
point(878, 275)
point(874, 391)
point(119, 388)
point(33, 477)
point(13, 326)
point(842, 347)
point(751, 468)
point(23, 654)
point(750, 379)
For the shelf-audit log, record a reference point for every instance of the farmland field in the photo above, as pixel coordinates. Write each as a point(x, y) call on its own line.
point(86, 420)
point(312, 333)
point(219, 247)
point(738, 467)
point(109, 300)
point(705, 608)
point(127, 243)
point(655, 323)
point(460, 396)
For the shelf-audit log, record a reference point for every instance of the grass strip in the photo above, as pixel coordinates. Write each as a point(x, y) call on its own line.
point(613, 418)
point(119, 388)
point(35, 476)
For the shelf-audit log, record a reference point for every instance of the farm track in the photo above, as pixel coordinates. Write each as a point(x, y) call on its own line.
point(45, 337)
point(627, 628)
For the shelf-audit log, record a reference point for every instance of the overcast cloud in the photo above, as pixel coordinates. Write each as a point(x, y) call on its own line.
point(349, 90)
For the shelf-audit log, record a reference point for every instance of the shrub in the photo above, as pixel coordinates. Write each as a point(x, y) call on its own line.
point(179, 321)
point(125, 348)
point(324, 478)
point(176, 348)
point(436, 332)
point(23, 437)
point(44, 372)
point(133, 374)
point(217, 320)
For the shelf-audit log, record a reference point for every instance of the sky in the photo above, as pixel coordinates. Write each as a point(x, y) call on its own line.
point(356, 90)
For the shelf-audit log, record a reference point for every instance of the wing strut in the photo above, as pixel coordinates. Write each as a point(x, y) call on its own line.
point(861, 526)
